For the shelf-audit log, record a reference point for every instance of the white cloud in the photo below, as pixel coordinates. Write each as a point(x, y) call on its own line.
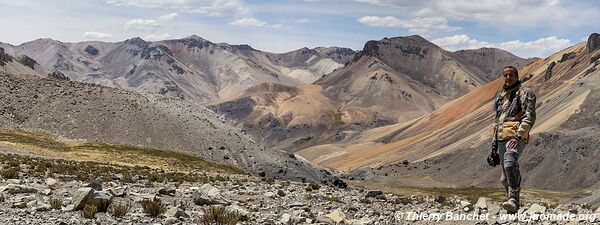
point(460, 41)
point(537, 48)
point(96, 35)
point(396, 3)
point(418, 25)
point(540, 47)
point(168, 17)
point(248, 22)
point(305, 20)
point(509, 15)
point(206, 7)
point(155, 37)
point(149, 24)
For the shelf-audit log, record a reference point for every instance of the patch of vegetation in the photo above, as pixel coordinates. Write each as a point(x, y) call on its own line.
point(10, 173)
point(175, 159)
point(313, 186)
point(71, 169)
point(589, 207)
point(153, 207)
point(334, 199)
point(217, 215)
point(119, 209)
point(32, 139)
point(89, 211)
point(365, 201)
point(56, 203)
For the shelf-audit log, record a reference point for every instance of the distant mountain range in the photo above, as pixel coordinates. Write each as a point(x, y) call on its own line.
point(191, 68)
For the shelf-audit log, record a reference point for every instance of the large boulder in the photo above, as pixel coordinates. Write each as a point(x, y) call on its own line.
point(81, 197)
point(102, 200)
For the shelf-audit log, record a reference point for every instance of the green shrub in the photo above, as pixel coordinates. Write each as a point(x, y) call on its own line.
point(313, 186)
point(89, 211)
point(119, 209)
point(56, 203)
point(365, 201)
point(153, 207)
point(334, 199)
point(11, 173)
point(217, 215)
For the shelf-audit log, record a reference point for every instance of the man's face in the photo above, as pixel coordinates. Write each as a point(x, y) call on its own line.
point(510, 76)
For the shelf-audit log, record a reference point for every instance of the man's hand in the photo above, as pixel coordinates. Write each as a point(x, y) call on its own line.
point(512, 143)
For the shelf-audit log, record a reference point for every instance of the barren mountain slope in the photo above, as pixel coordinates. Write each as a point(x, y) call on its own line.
point(563, 146)
point(73, 111)
point(365, 94)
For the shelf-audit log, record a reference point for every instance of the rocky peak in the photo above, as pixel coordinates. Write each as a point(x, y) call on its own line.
point(593, 42)
point(409, 45)
point(195, 41)
point(137, 42)
point(244, 47)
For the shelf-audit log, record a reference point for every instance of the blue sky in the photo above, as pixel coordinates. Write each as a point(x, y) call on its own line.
point(527, 28)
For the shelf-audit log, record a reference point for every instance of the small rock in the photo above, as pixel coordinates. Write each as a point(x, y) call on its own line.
point(20, 205)
point(296, 204)
point(51, 182)
point(573, 210)
point(102, 198)
point(47, 191)
point(167, 190)
point(118, 191)
point(322, 219)
point(239, 210)
point(17, 189)
point(43, 208)
point(171, 221)
point(285, 218)
point(68, 208)
point(536, 209)
point(362, 221)
point(280, 193)
point(96, 184)
point(210, 191)
point(337, 216)
point(373, 193)
point(268, 194)
point(176, 212)
point(482, 203)
point(440, 199)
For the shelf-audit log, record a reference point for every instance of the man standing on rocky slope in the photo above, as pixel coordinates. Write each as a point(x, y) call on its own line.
point(514, 106)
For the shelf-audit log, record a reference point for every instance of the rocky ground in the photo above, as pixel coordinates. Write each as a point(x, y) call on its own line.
point(52, 191)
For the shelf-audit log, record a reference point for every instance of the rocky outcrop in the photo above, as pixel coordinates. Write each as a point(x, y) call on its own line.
point(593, 42)
point(57, 75)
point(91, 50)
point(26, 61)
point(548, 73)
point(4, 57)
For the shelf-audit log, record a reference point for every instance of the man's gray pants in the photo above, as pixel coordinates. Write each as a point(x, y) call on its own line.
point(511, 177)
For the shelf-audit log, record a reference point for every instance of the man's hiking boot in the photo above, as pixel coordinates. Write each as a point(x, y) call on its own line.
point(511, 206)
